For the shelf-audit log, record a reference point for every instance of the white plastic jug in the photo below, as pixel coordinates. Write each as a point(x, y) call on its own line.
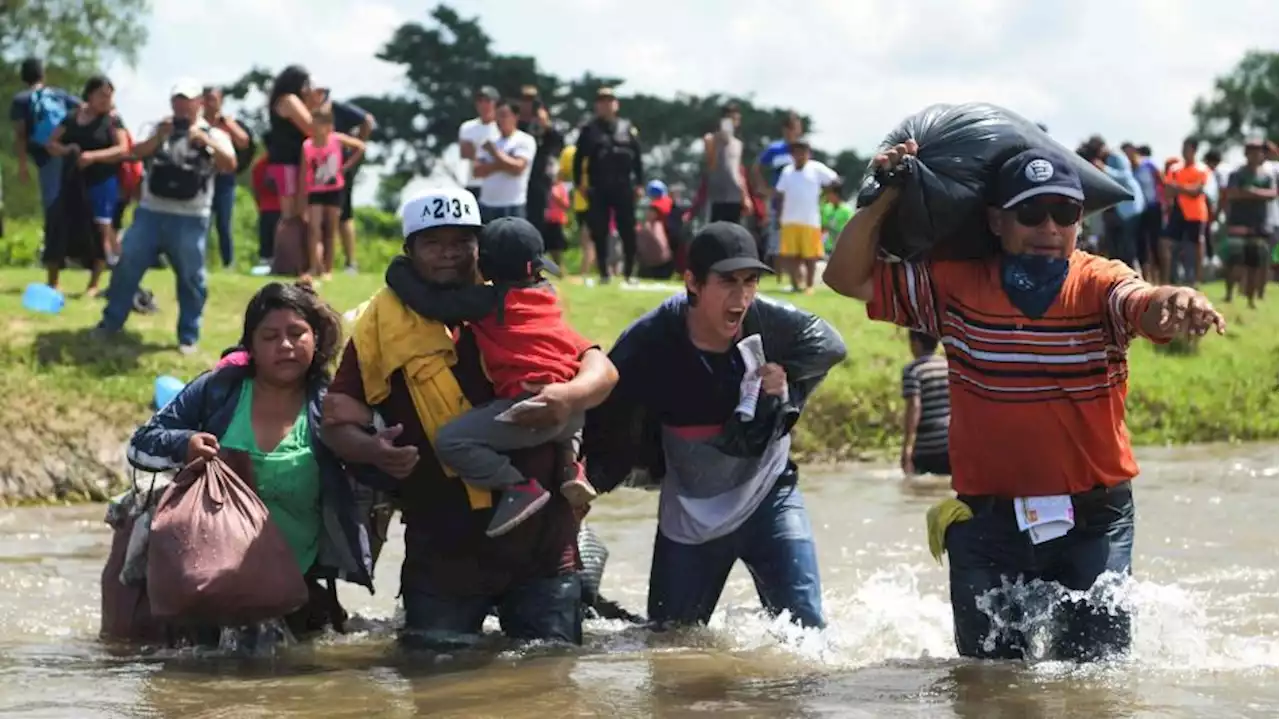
point(42, 298)
point(166, 389)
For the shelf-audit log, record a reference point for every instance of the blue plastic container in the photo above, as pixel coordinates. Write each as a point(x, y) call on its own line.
point(166, 389)
point(42, 298)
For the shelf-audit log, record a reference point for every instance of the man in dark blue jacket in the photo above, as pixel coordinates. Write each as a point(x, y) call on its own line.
point(717, 413)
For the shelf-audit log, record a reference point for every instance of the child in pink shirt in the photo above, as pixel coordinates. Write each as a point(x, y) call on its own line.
point(323, 181)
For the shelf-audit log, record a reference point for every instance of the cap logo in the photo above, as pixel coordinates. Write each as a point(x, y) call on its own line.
point(1039, 170)
point(440, 208)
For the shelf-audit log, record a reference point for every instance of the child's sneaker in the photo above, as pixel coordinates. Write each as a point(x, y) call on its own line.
point(517, 504)
point(578, 489)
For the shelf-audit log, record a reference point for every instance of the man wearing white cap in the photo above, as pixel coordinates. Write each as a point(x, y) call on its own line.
point(419, 374)
point(173, 216)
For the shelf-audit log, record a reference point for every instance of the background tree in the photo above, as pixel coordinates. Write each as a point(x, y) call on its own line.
point(444, 61)
point(248, 96)
point(75, 38)
point(447, 58)
point(1243, 102)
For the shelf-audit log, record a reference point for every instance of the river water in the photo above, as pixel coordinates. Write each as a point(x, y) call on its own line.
point(1206, 631)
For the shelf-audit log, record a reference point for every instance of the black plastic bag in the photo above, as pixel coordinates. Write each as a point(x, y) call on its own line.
point(807, 348)
point(943, 196)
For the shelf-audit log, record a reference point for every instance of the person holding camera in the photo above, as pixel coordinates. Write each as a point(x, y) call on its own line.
point(185, 153)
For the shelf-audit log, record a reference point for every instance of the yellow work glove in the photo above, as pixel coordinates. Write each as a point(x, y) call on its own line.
point(941, 516)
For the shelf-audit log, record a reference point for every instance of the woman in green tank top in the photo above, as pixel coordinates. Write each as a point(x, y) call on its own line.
point(263, 403)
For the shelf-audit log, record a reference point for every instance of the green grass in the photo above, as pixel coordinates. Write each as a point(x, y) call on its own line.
point(59, 384)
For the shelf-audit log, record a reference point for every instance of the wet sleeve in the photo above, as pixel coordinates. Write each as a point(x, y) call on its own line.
point(908, 294)
point(910, 382)
point(1126, 298)
point(160, 444)
point(347, 379)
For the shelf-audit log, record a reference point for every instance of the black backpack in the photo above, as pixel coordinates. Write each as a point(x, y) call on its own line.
point(179, 171)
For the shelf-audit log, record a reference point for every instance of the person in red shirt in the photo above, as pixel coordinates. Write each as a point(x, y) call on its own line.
point(267, 197)
point(1036, 339)
point(524, 344)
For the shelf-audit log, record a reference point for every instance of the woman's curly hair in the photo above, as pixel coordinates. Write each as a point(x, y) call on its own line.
point(302, 299)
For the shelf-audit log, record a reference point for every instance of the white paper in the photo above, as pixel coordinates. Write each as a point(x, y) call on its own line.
point(1045, 518)
point(519, 408)
point(752, 349)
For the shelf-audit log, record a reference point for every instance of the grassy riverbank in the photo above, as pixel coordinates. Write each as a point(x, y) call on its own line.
point(71, 401)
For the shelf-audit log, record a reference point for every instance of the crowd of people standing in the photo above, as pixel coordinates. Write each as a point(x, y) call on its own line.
point(182, 178)
point(519, 164)
point(1188, 216)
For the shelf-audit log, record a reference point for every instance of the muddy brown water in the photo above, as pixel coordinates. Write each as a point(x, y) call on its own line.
point(1206, 633)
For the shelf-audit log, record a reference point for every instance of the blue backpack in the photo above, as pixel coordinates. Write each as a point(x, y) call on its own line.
point(48, 110)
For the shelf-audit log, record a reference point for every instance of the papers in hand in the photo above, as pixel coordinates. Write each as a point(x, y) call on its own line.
point(519, 408)
point(1045, 518)
point(752, 350)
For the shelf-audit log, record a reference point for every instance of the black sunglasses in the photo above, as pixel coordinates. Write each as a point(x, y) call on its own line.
point(1033, 214)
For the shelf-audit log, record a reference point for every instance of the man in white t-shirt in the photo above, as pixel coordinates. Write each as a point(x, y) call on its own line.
point(474, 133)
point(503, 165)
point(186, 153)
point(800, 187)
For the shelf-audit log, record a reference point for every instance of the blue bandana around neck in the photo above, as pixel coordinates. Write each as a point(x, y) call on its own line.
point(1032, 282)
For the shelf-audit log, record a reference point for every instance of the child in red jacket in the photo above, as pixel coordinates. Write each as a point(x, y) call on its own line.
point(523, 342)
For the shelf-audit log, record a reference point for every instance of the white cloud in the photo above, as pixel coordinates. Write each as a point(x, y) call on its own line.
point(1129, 69)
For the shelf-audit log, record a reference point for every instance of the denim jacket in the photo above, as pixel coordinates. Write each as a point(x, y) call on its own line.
point(208, 404)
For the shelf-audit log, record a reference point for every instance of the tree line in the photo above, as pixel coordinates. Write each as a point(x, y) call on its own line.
point(447, 56)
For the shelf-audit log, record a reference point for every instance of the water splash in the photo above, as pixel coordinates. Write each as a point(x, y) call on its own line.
point(892, 617)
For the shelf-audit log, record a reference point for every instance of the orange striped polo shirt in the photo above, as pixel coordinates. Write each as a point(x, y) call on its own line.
point(1037, 405)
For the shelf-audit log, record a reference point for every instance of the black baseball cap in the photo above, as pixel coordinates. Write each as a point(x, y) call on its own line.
point(723, 248)
point(1036, 172)
point(511, 250)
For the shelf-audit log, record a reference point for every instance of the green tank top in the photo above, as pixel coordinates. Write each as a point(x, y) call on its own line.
point(287, 478)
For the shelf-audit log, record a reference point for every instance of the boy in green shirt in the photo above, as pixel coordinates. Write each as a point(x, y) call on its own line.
point(836, 213)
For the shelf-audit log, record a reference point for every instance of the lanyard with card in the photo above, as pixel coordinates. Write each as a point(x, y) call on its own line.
point(1045, 518)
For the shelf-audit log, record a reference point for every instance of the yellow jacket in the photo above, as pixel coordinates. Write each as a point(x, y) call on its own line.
point(388, 337)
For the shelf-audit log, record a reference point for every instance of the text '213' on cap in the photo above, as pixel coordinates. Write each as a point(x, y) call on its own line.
point(441, 207)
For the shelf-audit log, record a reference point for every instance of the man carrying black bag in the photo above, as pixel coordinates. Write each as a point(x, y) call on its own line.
point(1036, 337)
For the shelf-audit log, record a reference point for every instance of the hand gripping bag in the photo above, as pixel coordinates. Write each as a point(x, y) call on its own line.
point(215, 555)
point(944, 189)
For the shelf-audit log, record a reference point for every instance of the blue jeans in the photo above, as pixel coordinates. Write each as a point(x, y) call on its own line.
point(182, 239)
point(776, 544)
point(489, 213)
point(50, 176)
point(989, 550)
point(224, 201)
point(547, 609)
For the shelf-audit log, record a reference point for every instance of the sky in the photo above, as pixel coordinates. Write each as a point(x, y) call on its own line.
point(1128, 69)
